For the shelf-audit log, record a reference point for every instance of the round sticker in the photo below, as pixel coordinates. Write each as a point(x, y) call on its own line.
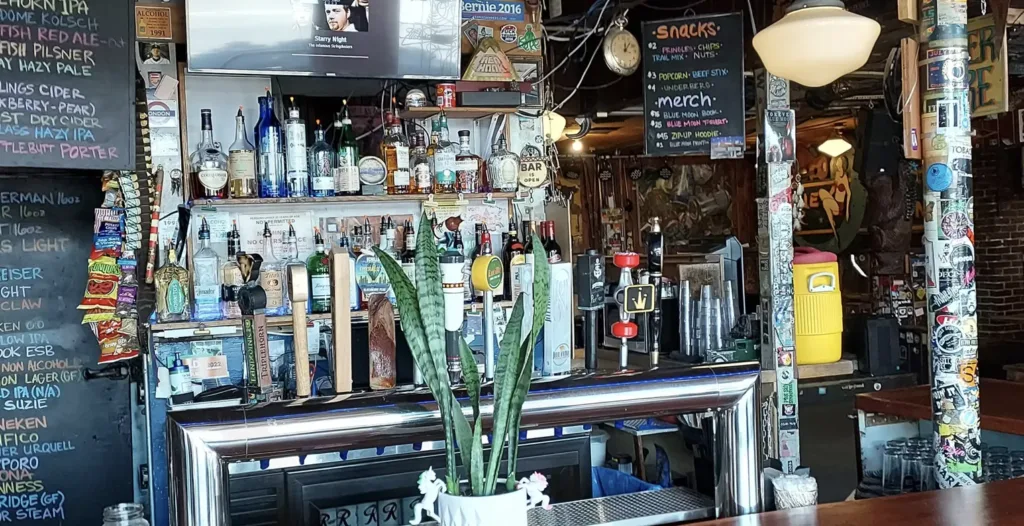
point(961, 257)
point(635, 173)
point(955, 225)
point(665, 172)
point(939, 177)
point(947, 339)
point(508, 34)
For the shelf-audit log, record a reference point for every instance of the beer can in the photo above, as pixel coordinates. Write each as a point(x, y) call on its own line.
point(446, 95)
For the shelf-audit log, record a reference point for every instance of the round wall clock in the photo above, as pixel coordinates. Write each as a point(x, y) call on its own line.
point(620, 48)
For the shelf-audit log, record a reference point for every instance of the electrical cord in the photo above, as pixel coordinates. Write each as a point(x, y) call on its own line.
point(578, 46)
point(593, 55)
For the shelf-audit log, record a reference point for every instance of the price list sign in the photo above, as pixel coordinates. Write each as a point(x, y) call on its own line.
point(66, 84)
point(693, 86)
point(65, 448)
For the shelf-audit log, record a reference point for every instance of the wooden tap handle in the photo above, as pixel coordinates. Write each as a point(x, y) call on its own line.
point(341, 321)
point(298, 292)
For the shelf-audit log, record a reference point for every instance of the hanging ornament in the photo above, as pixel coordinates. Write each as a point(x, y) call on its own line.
point(635, 170)
point(665, 172)
point(604, 169)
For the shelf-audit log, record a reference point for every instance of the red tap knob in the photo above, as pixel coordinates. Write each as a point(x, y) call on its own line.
point(624, 329)
point(627, 260)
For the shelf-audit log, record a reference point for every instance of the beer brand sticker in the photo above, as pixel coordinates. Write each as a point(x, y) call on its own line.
point(509, 34)
point(955, 225)
point(939, 177)
point(947, 338)
point(947, 69)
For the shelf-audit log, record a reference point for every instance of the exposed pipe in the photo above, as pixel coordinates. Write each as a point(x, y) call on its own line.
point(202, 442)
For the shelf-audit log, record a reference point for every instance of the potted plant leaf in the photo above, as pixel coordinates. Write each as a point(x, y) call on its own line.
point(472, 497)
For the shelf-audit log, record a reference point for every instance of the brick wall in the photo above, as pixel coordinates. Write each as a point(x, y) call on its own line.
point(999, 247)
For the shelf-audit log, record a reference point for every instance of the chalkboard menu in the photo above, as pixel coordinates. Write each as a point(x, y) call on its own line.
point(693, 86)
point(65, 443)
point(67, 86)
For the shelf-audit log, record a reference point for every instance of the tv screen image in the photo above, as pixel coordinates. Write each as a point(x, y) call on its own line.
point(343, 38)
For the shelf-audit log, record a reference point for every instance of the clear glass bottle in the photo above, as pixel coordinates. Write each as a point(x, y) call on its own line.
point(319, 270)
point(346, 162)
point(205, 279)
point(422, 175)
point(297, 169)
point(290, 251)
point(396, 157)
point(209, 165)
point(270, 168)
point(503, 168)
point(241, 162)
point(321, 165)
point(124, 515)
point(231, 276)
point(469, 167)
point(272, 276)
point(444, 160)
point(172, 300)
point(435, 134)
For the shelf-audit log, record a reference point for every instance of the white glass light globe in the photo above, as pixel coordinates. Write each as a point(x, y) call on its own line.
point(816, 45)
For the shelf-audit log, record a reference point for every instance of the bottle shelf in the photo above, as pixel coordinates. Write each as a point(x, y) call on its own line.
point(276, 321)
point(345, 199)
point(468, 112)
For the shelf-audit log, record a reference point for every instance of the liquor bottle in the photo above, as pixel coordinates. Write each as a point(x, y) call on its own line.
point(512, 255)
point(529, 228)
point(484, 247)
point(357, 239)
point(205, 279)
point(231, 276)
point(260, 102)
point(368, 241)
point(435, 135)
point(469, 167)
point(319, 270)
point(270, 168)
point(551, 245)
point(171, 289)
point(422, 174)
point(392, 235)
point(467, 267)
point(445, 181)
point(208, 164)
point(272, 276)
point(295, 153)
point(241, 162)
point(353, 287)
point(321, 165)
point(503, 168)
point(346, 162)
point(290, 256)
point(409, 254)
point(395, 149)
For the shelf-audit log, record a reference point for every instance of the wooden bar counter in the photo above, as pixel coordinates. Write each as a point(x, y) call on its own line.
point(1001, 409)
point(995, 503)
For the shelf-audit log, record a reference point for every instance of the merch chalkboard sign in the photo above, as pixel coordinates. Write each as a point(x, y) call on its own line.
point(67, 86)
point(65, 443)
point(693, 86)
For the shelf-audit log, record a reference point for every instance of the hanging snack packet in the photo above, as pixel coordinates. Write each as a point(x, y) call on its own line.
point(101, 287)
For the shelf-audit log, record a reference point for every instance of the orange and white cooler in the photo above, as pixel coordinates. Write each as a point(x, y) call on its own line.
point(817, 306)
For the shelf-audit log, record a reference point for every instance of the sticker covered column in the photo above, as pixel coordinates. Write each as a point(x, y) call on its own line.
point(949, 241)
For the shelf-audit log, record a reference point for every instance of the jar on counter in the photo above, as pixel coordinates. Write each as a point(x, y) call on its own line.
point(124, 515)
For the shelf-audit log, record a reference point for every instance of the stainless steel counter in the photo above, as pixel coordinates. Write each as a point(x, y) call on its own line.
point(202, 442)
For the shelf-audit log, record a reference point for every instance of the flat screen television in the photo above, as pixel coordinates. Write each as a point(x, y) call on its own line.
point(342, 38)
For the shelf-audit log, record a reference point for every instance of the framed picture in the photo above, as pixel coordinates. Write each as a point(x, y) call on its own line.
point(529, 70)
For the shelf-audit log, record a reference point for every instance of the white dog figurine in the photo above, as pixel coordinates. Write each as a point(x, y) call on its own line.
point(430, 488)
point(535, 486)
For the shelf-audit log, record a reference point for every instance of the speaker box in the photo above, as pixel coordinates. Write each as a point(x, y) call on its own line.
point(876, 341)
point(878, 144)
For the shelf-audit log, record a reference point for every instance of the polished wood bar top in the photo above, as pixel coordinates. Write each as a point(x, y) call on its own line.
point(995, 503)
point(1001, 409)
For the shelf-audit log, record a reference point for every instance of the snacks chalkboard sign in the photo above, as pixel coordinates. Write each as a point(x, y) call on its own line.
point(66, 84)
point(693, 86)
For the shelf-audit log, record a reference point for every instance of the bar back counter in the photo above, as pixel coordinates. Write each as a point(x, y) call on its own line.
point(202, 443)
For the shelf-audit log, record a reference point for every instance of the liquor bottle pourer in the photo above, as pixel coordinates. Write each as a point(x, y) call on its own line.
point(655, 255)
point(624, 329)
point(252, 300)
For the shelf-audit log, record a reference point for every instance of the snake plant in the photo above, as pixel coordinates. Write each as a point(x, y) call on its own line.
point(421, 306)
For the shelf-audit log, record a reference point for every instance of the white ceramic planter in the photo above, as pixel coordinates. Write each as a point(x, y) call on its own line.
point(507, 509)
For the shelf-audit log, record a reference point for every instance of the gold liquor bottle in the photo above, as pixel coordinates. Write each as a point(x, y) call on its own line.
point(396, 157)
point(172, 301)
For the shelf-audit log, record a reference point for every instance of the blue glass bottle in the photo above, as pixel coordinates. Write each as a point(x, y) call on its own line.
point(271, 146)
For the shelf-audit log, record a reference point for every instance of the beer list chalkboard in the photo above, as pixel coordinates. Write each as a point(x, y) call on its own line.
point(66, 84)
point(693, 86)
point(65, 449)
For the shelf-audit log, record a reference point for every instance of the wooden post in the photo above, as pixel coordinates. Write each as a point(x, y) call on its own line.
point(341, 321)
point(298, 292)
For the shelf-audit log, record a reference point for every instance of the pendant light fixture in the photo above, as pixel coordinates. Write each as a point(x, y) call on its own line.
point(836, 144)
point(817, 42)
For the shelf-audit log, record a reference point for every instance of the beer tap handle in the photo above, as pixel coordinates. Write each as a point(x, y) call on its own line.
point(655, 255)
point(298, 292)
point(341, 321)
point(624, 329)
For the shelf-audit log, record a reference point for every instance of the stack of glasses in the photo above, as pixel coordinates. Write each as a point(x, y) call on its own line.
point(908, 466)
point(708, 321)
point(998, 463)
